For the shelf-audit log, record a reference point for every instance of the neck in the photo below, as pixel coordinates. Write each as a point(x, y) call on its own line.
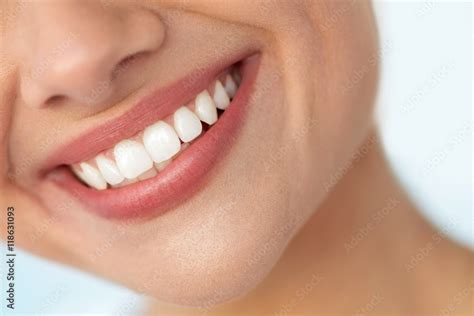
point(354, 256)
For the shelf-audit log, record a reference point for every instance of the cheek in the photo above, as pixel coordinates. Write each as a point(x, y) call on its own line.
point(330, 84)
point(340, 97)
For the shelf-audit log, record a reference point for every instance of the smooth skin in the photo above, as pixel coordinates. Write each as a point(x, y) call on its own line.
point(272, 231)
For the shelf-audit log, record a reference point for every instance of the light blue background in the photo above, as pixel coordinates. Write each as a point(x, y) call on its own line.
point(425, 102)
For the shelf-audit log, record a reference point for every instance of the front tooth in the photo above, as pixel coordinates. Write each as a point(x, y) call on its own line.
point(205, 108)
point(109, 170)
point(161, 141)
point(132, 158)
point(78, 172)
point(220, 96)
point(230, 86)
point(92, 177)
point(187, 124)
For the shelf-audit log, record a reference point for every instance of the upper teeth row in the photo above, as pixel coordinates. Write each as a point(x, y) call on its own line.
point(140, 158)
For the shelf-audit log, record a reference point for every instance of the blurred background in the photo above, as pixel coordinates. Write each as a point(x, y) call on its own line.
point(425, 116)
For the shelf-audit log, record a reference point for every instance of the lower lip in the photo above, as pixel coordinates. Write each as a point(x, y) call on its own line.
point(185, 176)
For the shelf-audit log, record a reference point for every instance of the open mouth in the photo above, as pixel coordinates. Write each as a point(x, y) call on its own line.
point(153, 149)
point(171, 144)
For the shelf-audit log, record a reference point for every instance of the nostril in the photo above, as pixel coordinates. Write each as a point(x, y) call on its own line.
point(55, 99)
point(127, 60)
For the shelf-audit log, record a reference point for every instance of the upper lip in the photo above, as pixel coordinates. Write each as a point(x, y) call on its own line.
point(156, 105)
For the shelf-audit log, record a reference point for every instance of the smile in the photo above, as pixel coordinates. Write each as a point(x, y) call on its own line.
point(175, 136)
point(150, 151)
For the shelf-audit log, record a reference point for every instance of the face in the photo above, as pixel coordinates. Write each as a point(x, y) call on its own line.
point(177, 147)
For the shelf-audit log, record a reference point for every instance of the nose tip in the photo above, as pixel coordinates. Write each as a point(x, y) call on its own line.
point(79, 63)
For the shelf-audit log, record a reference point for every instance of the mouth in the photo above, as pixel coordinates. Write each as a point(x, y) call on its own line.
point(160, 152)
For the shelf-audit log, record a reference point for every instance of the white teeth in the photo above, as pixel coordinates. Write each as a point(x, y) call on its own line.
point(92, 176)
point(161, 141)
point(220, 96)
point(187, 124)
point(230, 86)
point(132, 158)
point(109, 170)
point(205, 108)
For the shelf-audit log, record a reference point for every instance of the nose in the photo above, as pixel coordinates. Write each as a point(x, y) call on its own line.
point(75, 49)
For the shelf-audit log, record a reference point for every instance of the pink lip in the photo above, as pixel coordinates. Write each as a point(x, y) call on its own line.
point(185, 175)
